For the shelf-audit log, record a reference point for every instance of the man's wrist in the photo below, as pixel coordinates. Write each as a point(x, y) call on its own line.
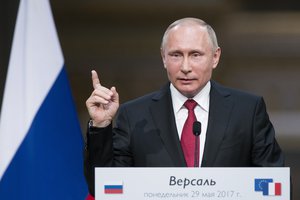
point(99, 125)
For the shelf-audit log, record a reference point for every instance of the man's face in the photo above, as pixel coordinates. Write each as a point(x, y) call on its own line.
point(189, 58)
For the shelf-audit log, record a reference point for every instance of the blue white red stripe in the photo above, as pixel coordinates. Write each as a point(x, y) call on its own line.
point(40, 137)
point(113, 188)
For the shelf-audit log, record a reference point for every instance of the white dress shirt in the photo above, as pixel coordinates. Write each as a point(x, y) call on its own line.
point(201, 112)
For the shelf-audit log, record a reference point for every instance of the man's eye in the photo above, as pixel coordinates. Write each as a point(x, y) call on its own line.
point(196, 54)
point(175, 55)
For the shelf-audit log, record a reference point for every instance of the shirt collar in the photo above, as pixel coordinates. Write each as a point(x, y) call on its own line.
point(202, 98)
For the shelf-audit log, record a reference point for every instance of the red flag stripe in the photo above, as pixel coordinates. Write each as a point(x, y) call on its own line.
point(277, 189)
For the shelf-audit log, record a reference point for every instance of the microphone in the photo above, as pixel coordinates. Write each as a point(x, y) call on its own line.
point(197, 128)
point(196, 132)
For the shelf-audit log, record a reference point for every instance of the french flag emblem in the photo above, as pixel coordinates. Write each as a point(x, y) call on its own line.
point(268, 187)
point(113, 188)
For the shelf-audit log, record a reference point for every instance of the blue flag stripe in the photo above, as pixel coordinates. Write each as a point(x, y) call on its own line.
point(113, 186)
point(48, 164)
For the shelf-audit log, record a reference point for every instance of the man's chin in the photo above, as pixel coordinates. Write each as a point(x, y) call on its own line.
point(188, 93)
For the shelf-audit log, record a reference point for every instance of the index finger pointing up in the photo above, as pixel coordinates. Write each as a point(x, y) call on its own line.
point(95, 79)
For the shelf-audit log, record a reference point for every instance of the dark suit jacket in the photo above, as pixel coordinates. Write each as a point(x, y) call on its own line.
point(239, 134)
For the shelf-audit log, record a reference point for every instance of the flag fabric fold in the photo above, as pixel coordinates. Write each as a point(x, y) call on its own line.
point(40, 138)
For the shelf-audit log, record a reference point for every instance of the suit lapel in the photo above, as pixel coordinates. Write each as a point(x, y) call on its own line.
point(219, 114)
point(163, 115)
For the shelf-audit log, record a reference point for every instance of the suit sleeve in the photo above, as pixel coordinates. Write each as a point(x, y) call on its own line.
point(98, 153)
point(266, 151)
point(107, 147)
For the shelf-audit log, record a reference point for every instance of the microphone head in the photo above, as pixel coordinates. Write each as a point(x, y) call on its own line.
point(197, 128)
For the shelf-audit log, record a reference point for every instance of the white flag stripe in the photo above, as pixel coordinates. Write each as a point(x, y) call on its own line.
point(30, 54)
point(271, 189)
point(114, 183)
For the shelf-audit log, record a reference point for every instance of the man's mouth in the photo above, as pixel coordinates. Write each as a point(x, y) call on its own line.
point(186, 80)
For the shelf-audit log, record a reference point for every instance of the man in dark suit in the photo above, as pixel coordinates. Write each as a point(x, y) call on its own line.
point(148, 131)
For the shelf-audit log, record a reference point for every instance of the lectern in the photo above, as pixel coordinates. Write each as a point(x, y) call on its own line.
point(192, 183)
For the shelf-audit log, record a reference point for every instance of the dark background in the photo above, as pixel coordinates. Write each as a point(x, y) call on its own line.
point(260, 43)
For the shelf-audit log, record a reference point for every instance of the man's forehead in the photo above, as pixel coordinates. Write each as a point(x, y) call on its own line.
point(180, 30)
point(187, 38)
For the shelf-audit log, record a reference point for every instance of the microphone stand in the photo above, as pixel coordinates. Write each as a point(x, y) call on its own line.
point(196, 160)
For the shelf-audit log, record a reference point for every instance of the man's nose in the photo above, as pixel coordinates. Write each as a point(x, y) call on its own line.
point(185, 66)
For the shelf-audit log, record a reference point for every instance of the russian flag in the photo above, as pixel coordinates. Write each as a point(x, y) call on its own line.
point(113, 188)
point(40, 138)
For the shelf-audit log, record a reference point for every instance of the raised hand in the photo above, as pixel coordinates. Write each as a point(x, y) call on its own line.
point(103, 103)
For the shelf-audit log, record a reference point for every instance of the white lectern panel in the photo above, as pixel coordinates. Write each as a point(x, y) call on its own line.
point(192, 183)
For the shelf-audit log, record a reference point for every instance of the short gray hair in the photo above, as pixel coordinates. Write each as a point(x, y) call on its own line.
point(210, 30)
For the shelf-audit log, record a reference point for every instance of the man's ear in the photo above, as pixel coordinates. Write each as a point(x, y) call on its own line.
point(217, 55)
